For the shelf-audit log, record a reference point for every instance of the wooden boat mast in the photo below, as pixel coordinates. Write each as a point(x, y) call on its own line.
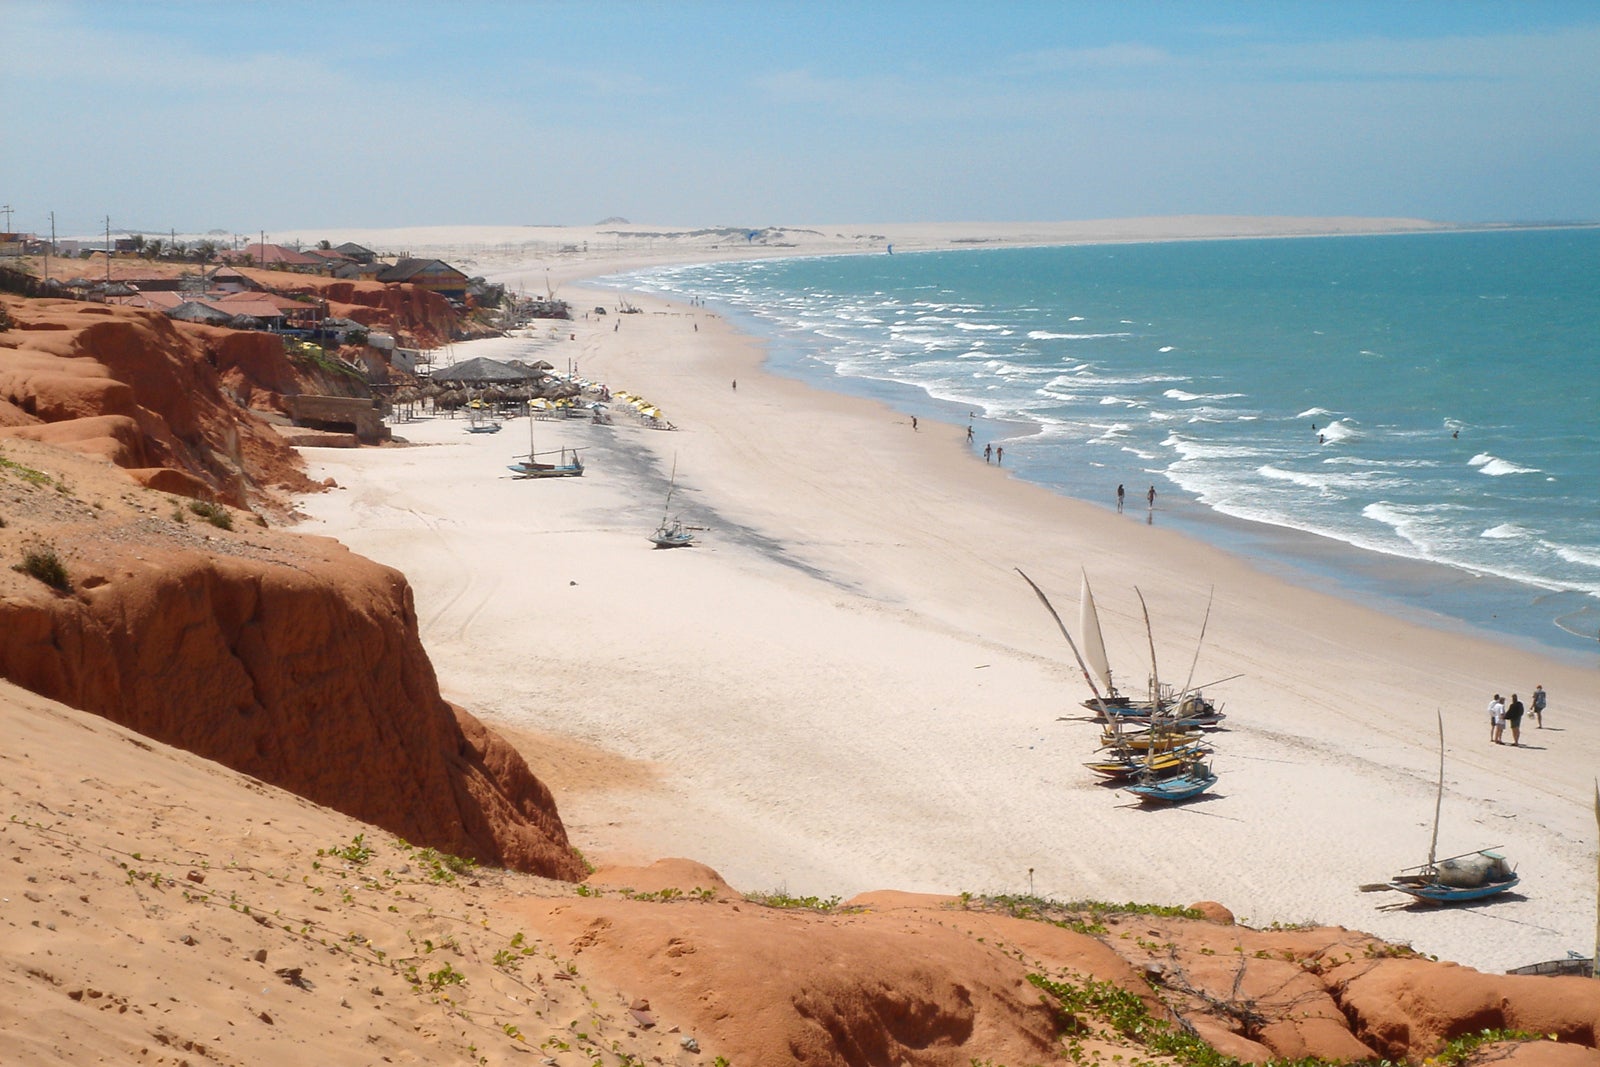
point(1155, 684)
point(1438, 800)
point(1196, 661)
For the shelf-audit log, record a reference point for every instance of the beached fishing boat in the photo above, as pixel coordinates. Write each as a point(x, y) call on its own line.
point(1158, 783)
point(670, 532)
point(1193, 777)
point(1469, 876)
point(1120, 736)
point(1191, 708)
point(568, 463)
point(480, 418)
point(1121, 764)
point(1164, 771)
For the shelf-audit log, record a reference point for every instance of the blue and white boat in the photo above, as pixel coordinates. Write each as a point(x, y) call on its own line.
point(1469, 876)
point(1194, 778)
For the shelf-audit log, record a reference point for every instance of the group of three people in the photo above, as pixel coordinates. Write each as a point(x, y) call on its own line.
point(1502, 714)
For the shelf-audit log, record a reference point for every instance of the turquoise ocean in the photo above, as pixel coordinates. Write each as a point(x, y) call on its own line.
point(1409, 420)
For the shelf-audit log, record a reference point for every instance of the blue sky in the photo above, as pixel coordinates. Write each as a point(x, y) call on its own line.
point(247, 116)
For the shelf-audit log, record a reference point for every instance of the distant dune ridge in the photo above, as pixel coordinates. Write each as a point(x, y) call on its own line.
point(246, 853)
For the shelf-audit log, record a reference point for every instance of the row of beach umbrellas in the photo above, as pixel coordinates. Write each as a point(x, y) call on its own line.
point(637, 403)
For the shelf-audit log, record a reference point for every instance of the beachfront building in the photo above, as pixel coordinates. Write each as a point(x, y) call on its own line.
point(434, 275)
point(352, 251)
point(274, 257)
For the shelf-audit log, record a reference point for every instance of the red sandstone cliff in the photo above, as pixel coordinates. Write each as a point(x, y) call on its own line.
point(133, 388)
point(286, 657)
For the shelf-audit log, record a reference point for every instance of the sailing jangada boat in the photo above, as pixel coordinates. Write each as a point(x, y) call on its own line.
point(1181, 766)
point(1469, 876)
point(531, 467)
point(671, 533)
point(1192, 709)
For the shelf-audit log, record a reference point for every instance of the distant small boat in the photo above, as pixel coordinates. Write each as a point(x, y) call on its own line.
point(531, 467)
point(671, 533)
point(480, 419)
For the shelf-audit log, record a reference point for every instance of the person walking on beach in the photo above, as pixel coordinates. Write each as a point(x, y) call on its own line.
point(1120, 494)
point(1538, 705)
point(969, 435)
point(913, 422)
point(736, 385)
point(1150, 497)
point(1514, 720)
point(1000, 455)
point(988, 452)
point(1497, 719)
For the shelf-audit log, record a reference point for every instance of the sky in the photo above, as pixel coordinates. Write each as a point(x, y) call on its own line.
point(248, 116)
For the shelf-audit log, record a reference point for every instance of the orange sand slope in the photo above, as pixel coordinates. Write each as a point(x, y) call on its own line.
point(161, 909)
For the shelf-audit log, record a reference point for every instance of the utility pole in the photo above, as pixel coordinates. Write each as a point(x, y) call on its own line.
point(49, 248)
point(108, 251)
point(7, 209)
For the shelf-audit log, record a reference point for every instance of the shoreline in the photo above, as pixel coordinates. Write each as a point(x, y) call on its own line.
point(1442, 595)
point(846, 686)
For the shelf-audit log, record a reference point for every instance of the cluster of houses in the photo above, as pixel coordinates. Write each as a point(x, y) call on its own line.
point(222, 295)
point(219, 294)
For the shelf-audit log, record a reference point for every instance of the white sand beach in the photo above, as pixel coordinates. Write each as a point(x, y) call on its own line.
point(846, 686)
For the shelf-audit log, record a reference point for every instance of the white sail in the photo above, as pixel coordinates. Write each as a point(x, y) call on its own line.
point(1094, 645)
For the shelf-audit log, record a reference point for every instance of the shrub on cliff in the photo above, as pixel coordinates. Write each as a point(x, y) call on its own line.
point(215, 514)
point(41, 562)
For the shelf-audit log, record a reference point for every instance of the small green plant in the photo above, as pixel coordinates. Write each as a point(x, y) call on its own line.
point(1460, 1049)
point(778, 898)
point(317, 356)
point(41, 562)
point(27, 474)
point(441, 866)
point(215, 514)
point(356, 852)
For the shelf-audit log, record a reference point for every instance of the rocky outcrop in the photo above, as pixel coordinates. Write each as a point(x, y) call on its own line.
point(1408, 1007)
point(283, 656)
